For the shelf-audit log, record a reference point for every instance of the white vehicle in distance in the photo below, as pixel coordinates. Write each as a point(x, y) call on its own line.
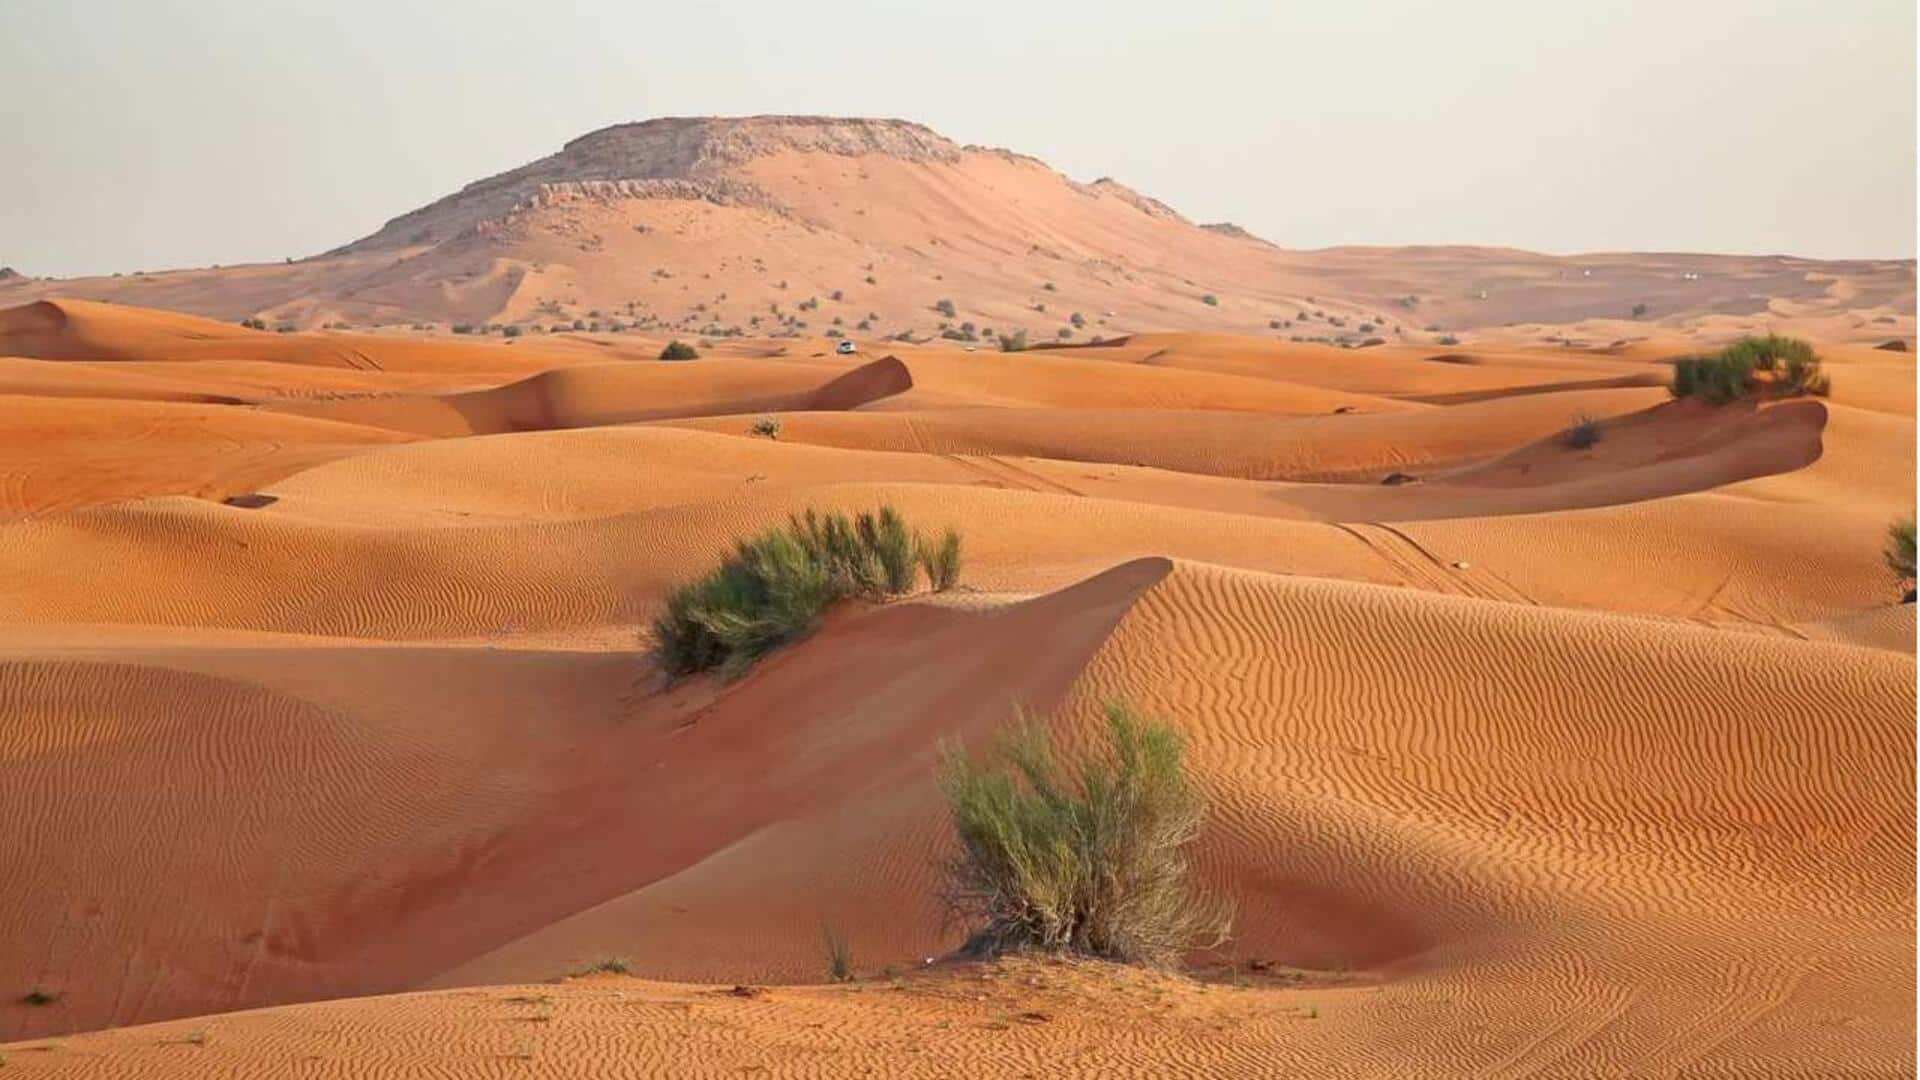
point(845, 348)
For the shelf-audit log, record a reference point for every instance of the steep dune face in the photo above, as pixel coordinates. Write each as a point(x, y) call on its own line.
point(1540, 760)
point(715, 224)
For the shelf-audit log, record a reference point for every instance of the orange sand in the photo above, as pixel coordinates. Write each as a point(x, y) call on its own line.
point(1549, 762)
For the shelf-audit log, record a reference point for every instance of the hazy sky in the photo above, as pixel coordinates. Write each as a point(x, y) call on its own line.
point(140, 134)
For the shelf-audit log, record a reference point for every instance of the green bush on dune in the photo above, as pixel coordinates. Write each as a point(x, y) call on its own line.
point(1085, 856)
point(1790, 365)
point(679, 350)
point(774, 587)
point(1899, 555)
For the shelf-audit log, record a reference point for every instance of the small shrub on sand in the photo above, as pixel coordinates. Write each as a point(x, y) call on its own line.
point(1210, 300)
point(679, 350)
point(941, 560)
point(1014, 342)
point(612, 965)
point(1087, 856)
point(774, 587)
point(839, 956)
point(944, 307)
point(38, 997)
point(767, 427)
point(1446, 339)
point(1899, 555)
point(1584, 432)
point(1789, 365)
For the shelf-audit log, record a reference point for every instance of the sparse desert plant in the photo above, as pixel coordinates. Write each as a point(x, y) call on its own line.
point(1064, 333)
point(1790, 365)
point(894, 547)
point(1087, 856)
point(774, 587)
point(766, 427)
point(679, 350)
point(1210, 300)
point(1014, 342)
point(839, 956)
point(462, 328)
point(1048, 285)
point(254, 323)
point(1582, 433)
point(1078, 320)
point(1899, 555)
point(944, 307)
point(871, 280)
point(1446, 339)
point(941, 560)
point(510, 331)
point(612, 965)
point(38, 997)
point(1639, 310)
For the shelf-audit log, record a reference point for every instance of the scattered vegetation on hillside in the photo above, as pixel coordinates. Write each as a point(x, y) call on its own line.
point(944, 307)
point(1787, 365)
point(1899, 555)
point(1014, 342)
point(775, 586)
point(679, 350)
point(1086, 856)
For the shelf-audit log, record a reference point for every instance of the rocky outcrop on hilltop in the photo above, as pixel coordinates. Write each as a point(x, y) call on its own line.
point(669, 158)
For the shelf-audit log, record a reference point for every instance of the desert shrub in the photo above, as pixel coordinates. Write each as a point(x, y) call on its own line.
point(1210, 300)
point(510, 331)
point(1014, 342)
point(839, 955)
point(894, 547)
point(774, 587)
point(836, 296)
point(1064, 333)
point(1789, 364)
point(579, 324)
point(944, 307)
point(1273, 324)
point(1446, 339)
point(254, 323)
point(1078, 320)
point(679, 350)
point(941, 560)
point(1639, 310)
point(1048, 286)
point(871, 280)
point(1087, 856)
point(1584, 432)
point(1899, 555)
point(284, 328)
point(767, 426)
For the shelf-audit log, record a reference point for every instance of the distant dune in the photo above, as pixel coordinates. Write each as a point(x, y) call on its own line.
point(324, 659)
point(811, 226)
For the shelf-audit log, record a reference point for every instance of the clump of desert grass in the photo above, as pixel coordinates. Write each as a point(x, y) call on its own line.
point(1788, 366)
point(1582, 433)
point(1085, 856)
point(1900, 556)
point(773, 588)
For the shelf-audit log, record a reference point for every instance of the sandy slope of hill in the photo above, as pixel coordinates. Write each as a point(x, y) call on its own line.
point(821, 225)
point(1541, 762)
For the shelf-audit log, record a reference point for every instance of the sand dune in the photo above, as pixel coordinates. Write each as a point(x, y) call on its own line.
point(1536, 761)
